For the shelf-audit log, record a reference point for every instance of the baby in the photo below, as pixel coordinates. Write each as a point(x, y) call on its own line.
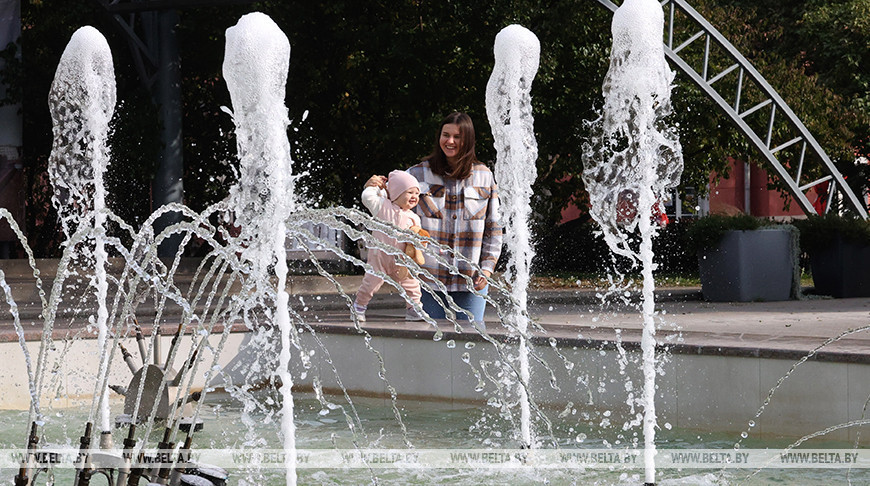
point(403, 193)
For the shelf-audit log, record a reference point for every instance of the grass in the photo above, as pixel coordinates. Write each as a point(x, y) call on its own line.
point(567, 280)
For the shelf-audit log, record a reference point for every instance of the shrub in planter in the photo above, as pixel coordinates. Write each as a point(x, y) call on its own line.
point(742, 258)
point(570, 247)
point(577, 247)
point(839, 254)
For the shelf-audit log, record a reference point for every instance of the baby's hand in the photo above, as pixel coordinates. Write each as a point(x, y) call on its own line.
point(378, 181)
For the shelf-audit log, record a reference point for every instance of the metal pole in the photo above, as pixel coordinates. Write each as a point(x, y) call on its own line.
point(168, 186)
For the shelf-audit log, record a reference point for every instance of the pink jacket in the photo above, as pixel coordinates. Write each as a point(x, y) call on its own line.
point(384, 209)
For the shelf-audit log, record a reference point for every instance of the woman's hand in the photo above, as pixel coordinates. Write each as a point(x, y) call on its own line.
point(378, 181)
point(481, 281)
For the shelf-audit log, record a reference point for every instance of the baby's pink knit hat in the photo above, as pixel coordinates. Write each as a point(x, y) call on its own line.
point(400, 181)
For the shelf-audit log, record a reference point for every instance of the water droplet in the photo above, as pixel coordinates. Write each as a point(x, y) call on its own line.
point(744, 434)
point(580, 438)
point(752, 423)
point(451, 344)
point(466, 357)
point(469, 345)
point(553, 342)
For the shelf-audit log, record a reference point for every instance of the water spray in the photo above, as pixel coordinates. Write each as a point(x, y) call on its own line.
point(632, 160)
point(508, 107)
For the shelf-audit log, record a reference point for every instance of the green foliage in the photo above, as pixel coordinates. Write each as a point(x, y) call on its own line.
point(840, 52)
point(817, 232)
point(576, 246)
point(375, 78)
point(767, 35)
point(815, 53)
point(707, 232)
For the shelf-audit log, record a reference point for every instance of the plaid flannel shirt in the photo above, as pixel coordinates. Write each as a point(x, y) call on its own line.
point(463, 215)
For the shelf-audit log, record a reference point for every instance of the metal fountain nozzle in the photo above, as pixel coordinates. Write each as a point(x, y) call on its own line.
point(85, 468)
point(125, 470)
point(28, 465)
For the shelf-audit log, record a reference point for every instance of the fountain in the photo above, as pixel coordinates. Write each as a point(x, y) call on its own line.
point(632, 161)
point(82, 99)
point(232, 284)
point(508, 106)
point(242, 284)
point(255, 68)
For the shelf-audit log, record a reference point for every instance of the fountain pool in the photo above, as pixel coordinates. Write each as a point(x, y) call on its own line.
point(436, 426)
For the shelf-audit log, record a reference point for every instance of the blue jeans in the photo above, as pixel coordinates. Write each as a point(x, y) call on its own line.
point(474, 304)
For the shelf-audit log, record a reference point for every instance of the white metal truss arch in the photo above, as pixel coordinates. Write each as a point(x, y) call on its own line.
point(782, 139)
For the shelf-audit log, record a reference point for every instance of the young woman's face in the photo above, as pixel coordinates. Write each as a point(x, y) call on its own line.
point(408, 199)
point(451, 141)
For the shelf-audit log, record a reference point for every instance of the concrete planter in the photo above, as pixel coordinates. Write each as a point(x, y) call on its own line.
point(746, 266)
point(842, 269)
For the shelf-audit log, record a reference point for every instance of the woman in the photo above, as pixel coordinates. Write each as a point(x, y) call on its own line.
point(459, 208)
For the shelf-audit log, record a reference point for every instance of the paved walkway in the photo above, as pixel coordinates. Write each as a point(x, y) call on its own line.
point(685, 323)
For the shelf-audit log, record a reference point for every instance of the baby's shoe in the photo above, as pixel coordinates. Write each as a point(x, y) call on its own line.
point(412, 315)
point(360, 311)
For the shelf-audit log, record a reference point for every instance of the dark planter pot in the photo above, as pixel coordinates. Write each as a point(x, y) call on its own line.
point(748, 266)
point(842, 269)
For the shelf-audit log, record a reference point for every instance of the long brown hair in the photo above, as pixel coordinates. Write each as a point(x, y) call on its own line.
point(466, 157)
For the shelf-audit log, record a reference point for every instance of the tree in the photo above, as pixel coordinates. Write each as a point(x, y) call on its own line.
point(839, 54)
point(374, 78)
point(813, 52)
